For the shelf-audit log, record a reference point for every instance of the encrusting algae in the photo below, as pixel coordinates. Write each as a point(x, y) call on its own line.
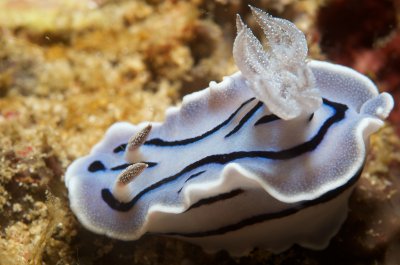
point(69, 69)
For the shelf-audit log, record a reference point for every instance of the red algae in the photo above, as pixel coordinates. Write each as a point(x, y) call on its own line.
point(365, 36)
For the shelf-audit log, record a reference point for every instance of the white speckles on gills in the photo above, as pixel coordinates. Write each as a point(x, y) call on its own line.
point(279, 77)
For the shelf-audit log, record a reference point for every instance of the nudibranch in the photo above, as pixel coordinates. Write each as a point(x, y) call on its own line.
point(266, 158)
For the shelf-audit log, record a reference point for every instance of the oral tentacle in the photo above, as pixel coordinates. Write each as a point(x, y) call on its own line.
point(122, 190)
point(132, 152)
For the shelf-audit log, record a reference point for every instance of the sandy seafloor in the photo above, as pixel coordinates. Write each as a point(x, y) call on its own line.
point(69, 69)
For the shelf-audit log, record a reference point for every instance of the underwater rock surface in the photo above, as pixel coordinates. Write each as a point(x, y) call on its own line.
point(61, 63)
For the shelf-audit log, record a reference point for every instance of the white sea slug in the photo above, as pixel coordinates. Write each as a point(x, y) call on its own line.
point(266, 158)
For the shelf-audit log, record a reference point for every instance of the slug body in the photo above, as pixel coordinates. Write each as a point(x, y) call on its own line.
point(266, 158)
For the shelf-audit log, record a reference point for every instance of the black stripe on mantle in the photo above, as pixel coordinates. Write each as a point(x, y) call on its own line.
point(267, 119)
point(340, 110)
point(99, 166)
point(274, 215)
point(246, 117)
point(191, 177)
point(161, 142)
point(214, 199)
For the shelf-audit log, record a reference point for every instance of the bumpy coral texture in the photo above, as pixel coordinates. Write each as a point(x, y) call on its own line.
point(55, 55)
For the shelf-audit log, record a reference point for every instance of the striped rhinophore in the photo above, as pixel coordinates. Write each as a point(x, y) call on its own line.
point(266, 158)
